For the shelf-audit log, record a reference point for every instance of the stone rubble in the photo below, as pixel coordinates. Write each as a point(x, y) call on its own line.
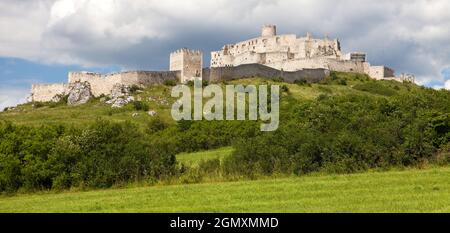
point(152, 113)
point(120, 96)
point(79, 93)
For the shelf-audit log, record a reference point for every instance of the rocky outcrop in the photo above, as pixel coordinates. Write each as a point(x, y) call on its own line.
point(79, 93)
point(120, 96)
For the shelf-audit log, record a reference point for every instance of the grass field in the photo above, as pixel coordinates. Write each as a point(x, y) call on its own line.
point(394, 191)
point(192, 159)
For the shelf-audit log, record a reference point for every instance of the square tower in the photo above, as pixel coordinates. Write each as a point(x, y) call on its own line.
point(189, 62)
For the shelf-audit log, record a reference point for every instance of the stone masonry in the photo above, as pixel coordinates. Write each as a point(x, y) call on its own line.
point(269, 56)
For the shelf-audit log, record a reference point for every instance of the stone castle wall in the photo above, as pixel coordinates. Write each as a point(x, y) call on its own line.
point(47, 92)
point(270, 48)
point(188, 62)
point(102, 84)
point(217, 74)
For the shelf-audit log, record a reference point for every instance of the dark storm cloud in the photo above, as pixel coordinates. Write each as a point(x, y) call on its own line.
point(409, 36)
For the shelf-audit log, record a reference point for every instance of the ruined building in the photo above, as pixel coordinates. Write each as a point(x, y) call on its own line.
point(291, 53)
point(270, 55)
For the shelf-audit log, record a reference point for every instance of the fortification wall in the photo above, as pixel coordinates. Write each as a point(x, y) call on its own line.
point(146, 78)
point(319, 63)
point(380, 72)
point(345, 65)
point(103, 84)
point(100, 84)
point(216, 74)
point(46, 92)
point(189, 62)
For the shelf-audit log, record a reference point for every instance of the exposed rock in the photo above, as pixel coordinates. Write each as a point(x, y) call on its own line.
point(79, 93)
point(152, 113)
point(57, 98)
point(163, 102)
point(120, 90)
point(135, 114)
point(120, 96)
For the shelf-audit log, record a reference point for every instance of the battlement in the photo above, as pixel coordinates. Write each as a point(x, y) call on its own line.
point(189, 62)
point(268, 30)
point(269, 55)
point(186, 51)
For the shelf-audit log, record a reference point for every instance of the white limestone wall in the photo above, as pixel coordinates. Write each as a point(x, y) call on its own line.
point(376, 72)
point(46, 92)
point(100, 84)
point(277, 48)
point(189, 62)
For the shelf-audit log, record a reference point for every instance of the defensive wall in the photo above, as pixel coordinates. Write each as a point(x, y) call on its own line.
point(102, 84)
point(217, 74)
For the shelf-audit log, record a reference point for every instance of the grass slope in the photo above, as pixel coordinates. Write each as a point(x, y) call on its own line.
point(192, 159)
point(88, 113)
point(394, 191)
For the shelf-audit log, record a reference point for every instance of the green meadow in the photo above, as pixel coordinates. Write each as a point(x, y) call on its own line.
point(346, 144)
point(410, 190)
point(193, 159)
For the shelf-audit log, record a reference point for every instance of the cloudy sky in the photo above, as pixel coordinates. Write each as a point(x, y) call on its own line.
point(40, 40)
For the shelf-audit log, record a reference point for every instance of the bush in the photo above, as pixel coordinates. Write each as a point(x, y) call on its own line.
point(38, 104)
point(170, 82)
point(375, 88)
point(284, 88)
point(98, 156)
point(141, 106)
point(155, 125)
point(135, 88)
point(302, 82)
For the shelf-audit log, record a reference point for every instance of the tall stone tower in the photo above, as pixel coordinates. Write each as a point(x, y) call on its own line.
point(189, 62)
point(269, 30)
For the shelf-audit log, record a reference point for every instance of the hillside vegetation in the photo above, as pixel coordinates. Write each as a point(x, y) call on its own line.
point(393, 191)
point(347, 123)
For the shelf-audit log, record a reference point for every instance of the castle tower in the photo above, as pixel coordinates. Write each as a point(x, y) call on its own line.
point(269, 30)
point(189, 62)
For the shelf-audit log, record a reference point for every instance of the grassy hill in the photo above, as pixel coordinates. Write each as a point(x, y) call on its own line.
point(394, 191)
point(60, 113)
point(348, 123)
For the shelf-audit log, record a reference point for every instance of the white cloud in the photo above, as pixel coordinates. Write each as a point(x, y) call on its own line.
point(11, 97)
point(447, 85)
point(410, 36)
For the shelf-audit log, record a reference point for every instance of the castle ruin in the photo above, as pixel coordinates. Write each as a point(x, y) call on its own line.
point(271, 56)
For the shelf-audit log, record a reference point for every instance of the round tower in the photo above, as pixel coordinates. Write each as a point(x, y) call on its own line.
point(269, 30)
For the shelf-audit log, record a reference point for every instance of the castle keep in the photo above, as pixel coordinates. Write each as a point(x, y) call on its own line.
point(270, 55)
point(292, 53)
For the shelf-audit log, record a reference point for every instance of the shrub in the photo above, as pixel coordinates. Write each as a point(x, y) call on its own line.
point(170, 82)
point(205, 82)
point(140, 106)
point(38, 104)
point(278, 79)
point(134, 88)
point(209, 167)
point(375, 88)
point(302, 82)
point(155, 125)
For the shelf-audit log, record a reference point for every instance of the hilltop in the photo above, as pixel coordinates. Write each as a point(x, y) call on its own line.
point(158, 98)
point(346, 123)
